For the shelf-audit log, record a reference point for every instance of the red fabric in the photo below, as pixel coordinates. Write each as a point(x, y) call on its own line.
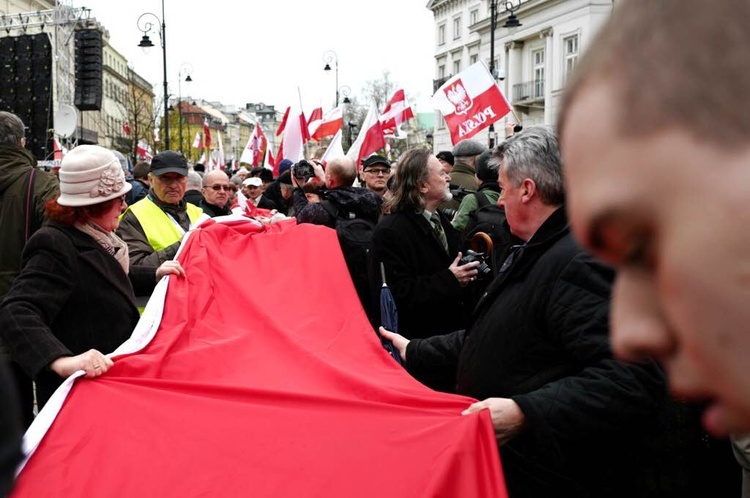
point(374, 141)
point(265, 380)
point(315, 115)
point(328, 125)
point(283, 121)
point(206, 134)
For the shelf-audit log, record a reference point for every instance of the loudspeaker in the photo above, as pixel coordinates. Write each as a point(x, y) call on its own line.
point(88, 44)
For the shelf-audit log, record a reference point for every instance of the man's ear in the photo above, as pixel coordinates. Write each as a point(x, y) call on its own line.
point(528, 190)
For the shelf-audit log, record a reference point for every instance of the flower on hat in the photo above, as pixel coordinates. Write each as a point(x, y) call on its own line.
point(111, 180)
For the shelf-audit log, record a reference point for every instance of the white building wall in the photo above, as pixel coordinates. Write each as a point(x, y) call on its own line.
point(546, 24)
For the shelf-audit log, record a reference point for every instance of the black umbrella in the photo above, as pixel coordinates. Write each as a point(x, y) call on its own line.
point(388, 317)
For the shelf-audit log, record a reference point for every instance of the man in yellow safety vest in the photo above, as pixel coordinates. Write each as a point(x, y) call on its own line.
point(153, 227)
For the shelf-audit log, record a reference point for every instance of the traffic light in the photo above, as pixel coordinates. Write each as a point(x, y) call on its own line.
point(88, 69)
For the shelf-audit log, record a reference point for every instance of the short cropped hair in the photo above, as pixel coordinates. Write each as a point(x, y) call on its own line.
point(535, 154)
point(141, 170)
point(672, 64)
point(11, 129)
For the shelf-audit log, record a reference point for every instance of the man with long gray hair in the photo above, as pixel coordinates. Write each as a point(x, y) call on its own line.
point(537, 352)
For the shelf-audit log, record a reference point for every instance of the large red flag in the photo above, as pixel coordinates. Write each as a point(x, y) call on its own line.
point(470, 102)
point(370, 138)
point(328, 124)
point(227, 390)
point(396, 112)
point(256, 147)
point(316, 115)
point(282, 126)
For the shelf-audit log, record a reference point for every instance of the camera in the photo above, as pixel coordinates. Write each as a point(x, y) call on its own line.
point(460, 192)
point(303, 170)
point(483, 270)
point(448, 212)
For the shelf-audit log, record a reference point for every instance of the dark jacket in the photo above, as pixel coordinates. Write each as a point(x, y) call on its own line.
point(213, 210)
point(273, 194)
point(71, 296)
point(427, 294)
point(15, 165)
point(265, 203)
point(362, 203)
point(539, 336)
point(194, 197)
point(463, 175)
point(138, 192)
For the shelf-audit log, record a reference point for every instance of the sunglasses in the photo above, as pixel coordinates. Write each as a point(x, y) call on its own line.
point(216, 188)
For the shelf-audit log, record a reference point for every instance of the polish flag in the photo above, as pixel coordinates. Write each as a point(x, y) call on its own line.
point(270, 162)
point(143, 150)
point(334, 149)
point(198, 142)
point(126, 128)
point(282, 126)
point(316, 115)
point(221, 162)
point(206, 134)
point(370, 138)
point(293, 139)
point(396, 112)
point(470, 102)
point(202, 159)
point(328, 125)
point(255, 148)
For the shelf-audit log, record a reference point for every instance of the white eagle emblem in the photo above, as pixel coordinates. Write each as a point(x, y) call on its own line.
point(458, 96)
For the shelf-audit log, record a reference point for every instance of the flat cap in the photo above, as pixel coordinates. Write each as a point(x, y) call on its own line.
point(468, 148)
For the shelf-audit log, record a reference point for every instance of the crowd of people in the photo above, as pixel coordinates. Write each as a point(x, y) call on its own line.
point(603, 315)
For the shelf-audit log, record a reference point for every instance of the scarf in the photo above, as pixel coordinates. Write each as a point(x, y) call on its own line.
point(111, 243)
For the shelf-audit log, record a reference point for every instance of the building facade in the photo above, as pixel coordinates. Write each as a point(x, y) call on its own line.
point(531, 62)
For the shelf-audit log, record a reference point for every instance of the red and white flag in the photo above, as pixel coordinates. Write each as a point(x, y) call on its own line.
point(334, 149)
point(143, 150)
point(255, 148)
point(328, 124)
point(316, 115)
point(294, 138)
point(206, 134)
point(221, 162)
point(470, 101)
point(396, 112)
point(370, 138)
point(198, 142)
point(126, 128)
point(282, 126)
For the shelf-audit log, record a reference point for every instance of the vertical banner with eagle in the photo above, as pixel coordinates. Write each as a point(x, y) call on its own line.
point(470, 101)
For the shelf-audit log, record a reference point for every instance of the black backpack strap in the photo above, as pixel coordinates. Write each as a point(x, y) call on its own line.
point(330, 208)
point(30, 219)
point(482, 200)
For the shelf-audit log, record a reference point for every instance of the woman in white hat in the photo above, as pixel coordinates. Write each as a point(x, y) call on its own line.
point(74, 299)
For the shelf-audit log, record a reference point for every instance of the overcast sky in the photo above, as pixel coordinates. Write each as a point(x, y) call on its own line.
point(265, 50)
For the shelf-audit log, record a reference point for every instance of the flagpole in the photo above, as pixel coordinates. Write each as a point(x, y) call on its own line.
point(301, 110)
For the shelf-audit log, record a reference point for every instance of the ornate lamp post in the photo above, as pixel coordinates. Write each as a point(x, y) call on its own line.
point(331, 57)
point(145, 26)
point(187, 69)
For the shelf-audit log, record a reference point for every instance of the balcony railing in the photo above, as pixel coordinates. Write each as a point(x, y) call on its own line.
point(529, 91)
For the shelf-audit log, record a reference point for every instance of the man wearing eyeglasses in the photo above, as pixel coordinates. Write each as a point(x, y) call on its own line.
point(153, 227)
point(376, 170)
point(215, 194)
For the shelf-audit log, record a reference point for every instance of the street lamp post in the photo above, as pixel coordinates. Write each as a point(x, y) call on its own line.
point(511, 22)
point(331, 57)
point(345, 90)
point(187, 69)
point(145, 28)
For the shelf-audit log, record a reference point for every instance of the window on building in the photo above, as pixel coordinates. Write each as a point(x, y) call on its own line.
point(441, 34)
point(439, 120)
point(457, 28)
point(474, 16)
point(570, 49)
point(456, 67)
point(473, 58)
point(441, 72)
point(537, 57)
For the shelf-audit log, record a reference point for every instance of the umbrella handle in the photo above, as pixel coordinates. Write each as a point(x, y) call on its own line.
point(382, 272)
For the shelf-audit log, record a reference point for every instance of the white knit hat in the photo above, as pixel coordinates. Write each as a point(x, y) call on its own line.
point(89, 175)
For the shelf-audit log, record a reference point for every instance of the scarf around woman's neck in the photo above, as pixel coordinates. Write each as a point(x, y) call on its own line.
point(111, 243)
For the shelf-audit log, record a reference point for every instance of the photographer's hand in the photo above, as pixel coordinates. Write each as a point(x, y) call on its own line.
point(320, 173)
point(464, 273)
point(296, 181)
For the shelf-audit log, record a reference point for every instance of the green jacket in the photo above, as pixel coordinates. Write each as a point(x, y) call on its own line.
point(468, 206)
point(15, 165)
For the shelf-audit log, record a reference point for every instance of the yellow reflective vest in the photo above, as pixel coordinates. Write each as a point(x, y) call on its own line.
point(161, 229)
